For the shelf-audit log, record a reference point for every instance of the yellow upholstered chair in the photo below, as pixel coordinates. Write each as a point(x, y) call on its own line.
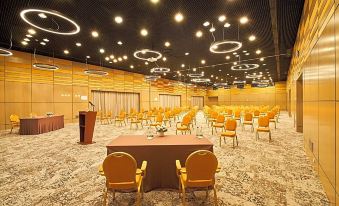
point(263, 126)
point(256, 114)
point(121, 118)
point(229, 113)
point(237, 116)
point(230, 131)
point(212, 117)
point(137, 120)
point(199, 172)
point(219, 123)
point(121, 172)
point(15, 121)
point(167, 118)
point(248, 120)
point(271, 115)
point(147, 117)
point(184, 125)
point(158, 121)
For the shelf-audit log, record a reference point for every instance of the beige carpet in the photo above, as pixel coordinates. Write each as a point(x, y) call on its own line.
point(52, 169)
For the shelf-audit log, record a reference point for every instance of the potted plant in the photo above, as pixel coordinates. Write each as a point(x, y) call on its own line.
point(161, 130)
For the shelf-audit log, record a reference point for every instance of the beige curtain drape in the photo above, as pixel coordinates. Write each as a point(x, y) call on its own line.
point(197, 101)
point(106, 101)
point(170, 101)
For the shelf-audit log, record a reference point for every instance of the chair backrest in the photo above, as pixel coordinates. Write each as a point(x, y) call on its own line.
point(120, 169)
point(201, 166)
point(159, 117)
point(231, 125)
point(263, 121)
point(186, 120)
point(248, 117)
point(237, 113)
point(256, 113)
point(220, 119)
point(229, 112)
point(140, 115)
point(271, 115)
point(214, 114)
point(14, 118)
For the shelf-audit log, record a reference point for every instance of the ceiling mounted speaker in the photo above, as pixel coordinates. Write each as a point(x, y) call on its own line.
point(96, 72)
point(48, 67)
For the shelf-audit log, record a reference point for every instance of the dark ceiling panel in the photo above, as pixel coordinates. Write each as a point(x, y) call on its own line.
point(158, 20)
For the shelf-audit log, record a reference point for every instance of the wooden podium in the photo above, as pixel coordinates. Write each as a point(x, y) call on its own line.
point(86, 124)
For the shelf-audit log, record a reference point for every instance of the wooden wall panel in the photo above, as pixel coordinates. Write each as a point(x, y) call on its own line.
point(2, 114)
point(42, 108)
point(78, 92)
point(18, 91)
point(2, 91)
point(63, 93)
point(42, 92)
point(65, 109)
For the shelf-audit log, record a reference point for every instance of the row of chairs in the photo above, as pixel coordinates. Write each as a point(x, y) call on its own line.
point(122, 174)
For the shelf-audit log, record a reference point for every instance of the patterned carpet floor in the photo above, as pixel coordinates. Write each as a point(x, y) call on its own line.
point(52, 169)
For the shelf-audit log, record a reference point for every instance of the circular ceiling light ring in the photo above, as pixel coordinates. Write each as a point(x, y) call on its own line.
point(145, 51)
point(220, 84)
point(253, 76)
point(244, 67)
point(96, 72)
point(5, 52)
point(53, 13)
point(48, 67)
point(160, 70)
point(195, 75)
point(215, 45)
point(152, 77)
point(200, 80)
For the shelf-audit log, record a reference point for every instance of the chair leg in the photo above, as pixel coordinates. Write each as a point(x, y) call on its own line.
point(220, 141)
point(138, 198)
point(215, 196)
point(183, 196)
point(236, 136)
point(233, 142)
point(269, 135)
point(105, 197)
point(11, 130)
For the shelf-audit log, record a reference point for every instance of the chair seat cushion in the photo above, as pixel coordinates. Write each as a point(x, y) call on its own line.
point(218, 125)
point(182, 127)
point(155, 124)
point(263, 129)
point(228, 134)
point(248, 122)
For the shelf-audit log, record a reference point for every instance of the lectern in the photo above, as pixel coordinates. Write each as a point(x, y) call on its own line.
point(86, 124)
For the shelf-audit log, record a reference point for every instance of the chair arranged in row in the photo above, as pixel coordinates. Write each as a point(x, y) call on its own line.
point(15, 121)
point(230, 131)
point(122, 174)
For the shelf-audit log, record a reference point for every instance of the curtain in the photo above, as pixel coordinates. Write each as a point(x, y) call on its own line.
point(170, 101)
point(106, 101)
point(197, 101)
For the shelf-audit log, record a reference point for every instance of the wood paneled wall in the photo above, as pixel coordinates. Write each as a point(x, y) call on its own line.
point(275, 95)
point(316, 57)
point(25, 90)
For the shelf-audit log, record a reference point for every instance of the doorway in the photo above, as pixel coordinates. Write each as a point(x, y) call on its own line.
point(299, 112)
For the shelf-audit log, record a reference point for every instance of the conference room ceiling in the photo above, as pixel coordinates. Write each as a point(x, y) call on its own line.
point(274, 31)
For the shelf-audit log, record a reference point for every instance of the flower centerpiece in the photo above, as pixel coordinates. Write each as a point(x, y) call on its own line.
point(161, 130)
point(49, 114)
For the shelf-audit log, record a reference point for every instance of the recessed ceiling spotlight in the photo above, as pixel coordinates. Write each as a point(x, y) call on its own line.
point(198, 34)
point(179, 17)
point(146, 63)
point(164, 59)
point(212, 29)
point(235, 63)
point(29, 36)
point(66, 51)
point(235, 53)
point(219, 70)
point(187, 53)
point(228, 57)
point(46, 40)
point(216, 77)
point(111, 62)
point(119, 42)
point(95, 34)
point(143, 32)
point(194, 69)
point(26, 39)
point(43, 43)
point(154, 1)
point(264, 64)
point(167, 44)
point(78, 44)
point(42, 15)
point(125, 57)
point(119, 59)
point(251, 38)
point(243, 20)
point(102, 51)
point(206, 23)
point(258, 51)
point(212, 75)
point(244, 51)
point(31, 31)
point(111, 56)
point(115, 61)
point(118, 19)
point(183, 65)
point(247, 54)
point(203, 61)
point(131, 66)
point(107, 58)
point(262, 59)
point(88, 57)
point(227, 25)
point(222, 18)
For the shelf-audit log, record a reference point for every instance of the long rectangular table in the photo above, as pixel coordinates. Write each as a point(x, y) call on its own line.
point(160, 154)
point(39, 125)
